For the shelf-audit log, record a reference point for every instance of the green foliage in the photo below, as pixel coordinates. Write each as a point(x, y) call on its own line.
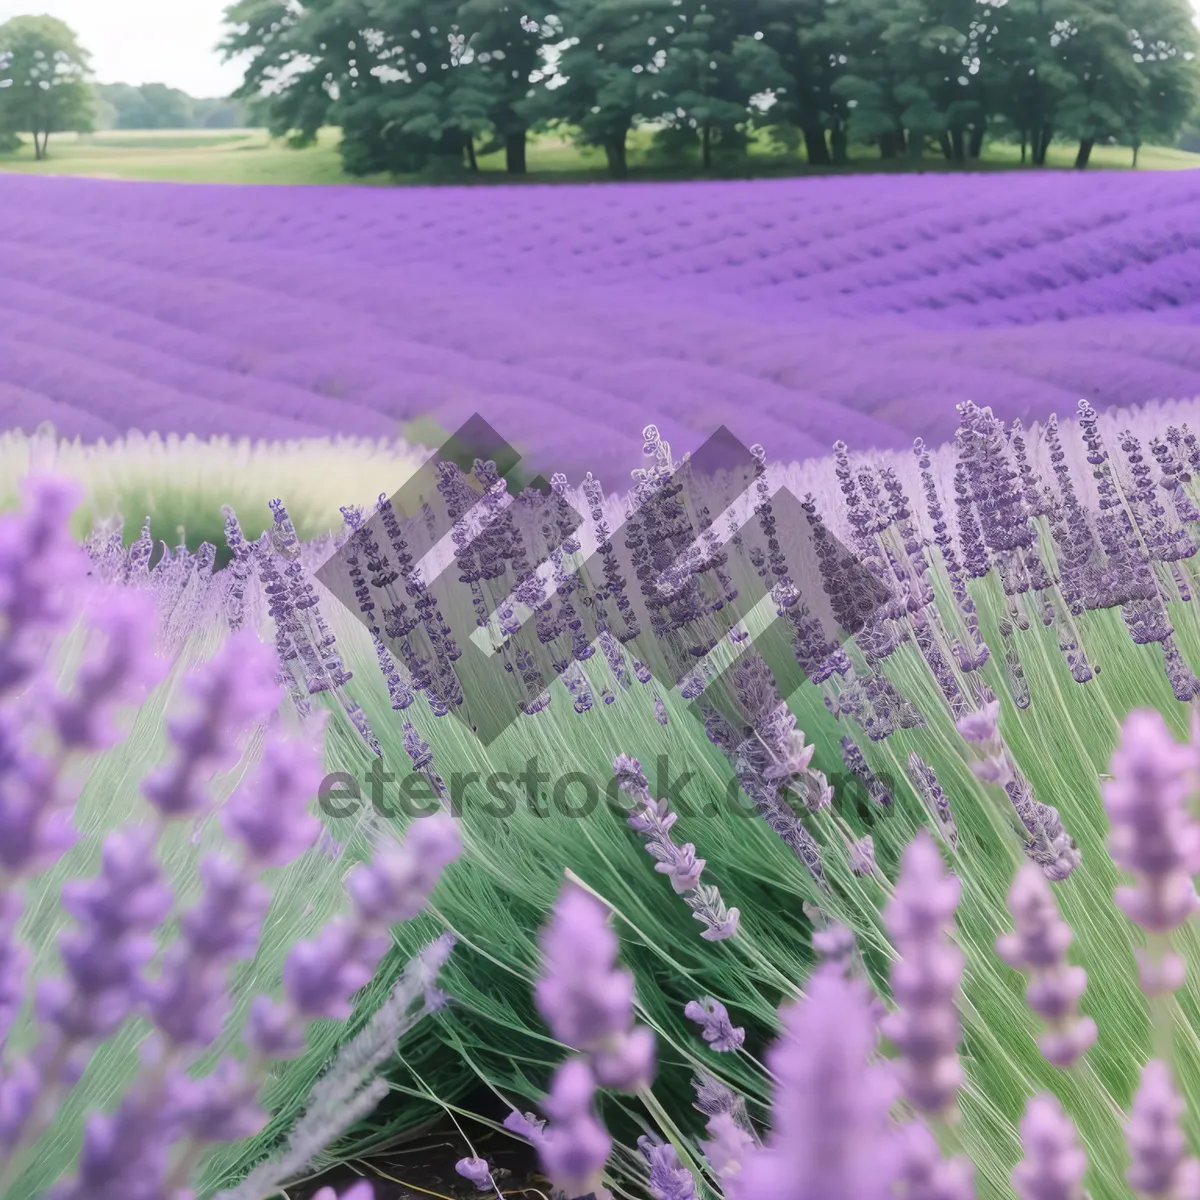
point(43, 80)
point(825, 74)
point(156, 106)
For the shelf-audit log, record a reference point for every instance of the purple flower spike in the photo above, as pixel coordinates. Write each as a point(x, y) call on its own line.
point(525, 1125)
point(477, 1171)
point(234, 690)
point(362, 1190)
point(268, 815)
point(669, 1178)
point(980, 727)
point(718, 1031)
point(830, 1129)
point(1157, 1149)
point(576, 1145)
point(120, 673)
point(728, 1147)
point(396, 884)
point(586, 999)
point(1152, 835)
point(1039, 945)
point(926, 1173)
point(40, 565)
point(1054, 1164)
point(925, 980)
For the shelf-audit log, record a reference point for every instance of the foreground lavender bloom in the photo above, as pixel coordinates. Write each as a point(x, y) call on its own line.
point(576, 1146)
point(925, 1173)
point(320, 976)
point(1153, 836)
point(119, 674)
point(1159, 1165)
point(1054, 1164)
point(235, 689)
point(477, 1171)
point(669, 1179)
point(925, 980)
point(362, 1190)
point(1039, 945)
point(729, 1146)
point(830, 1130)
point(585, 999)
point(718, 1031)
point(40, 566)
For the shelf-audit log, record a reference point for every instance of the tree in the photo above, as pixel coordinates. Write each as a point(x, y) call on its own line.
point(1164, 42)
point(43, 80)
point(706, 76)
point(507, 49)
point(605, 72)
point(151, 106)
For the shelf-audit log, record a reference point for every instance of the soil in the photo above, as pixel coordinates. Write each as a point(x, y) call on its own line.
point(424, 1167)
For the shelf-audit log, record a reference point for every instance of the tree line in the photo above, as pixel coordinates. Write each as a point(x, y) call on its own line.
point(416, 82)
point(45, 89)
point(157, 106)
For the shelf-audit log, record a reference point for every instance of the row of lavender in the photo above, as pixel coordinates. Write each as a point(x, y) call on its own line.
point(1063, 553)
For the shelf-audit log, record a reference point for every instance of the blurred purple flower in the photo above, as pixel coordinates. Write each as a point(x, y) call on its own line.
point(1157, 1148)
point(1152, 834)
point(1053, 1165)
point(925, 979)
point(585, 998)
point(830, 1130)
point(575, 1146)
point(232, 691)
point(1039, 945)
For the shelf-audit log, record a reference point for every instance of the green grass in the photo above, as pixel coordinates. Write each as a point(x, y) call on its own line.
point(251, 156)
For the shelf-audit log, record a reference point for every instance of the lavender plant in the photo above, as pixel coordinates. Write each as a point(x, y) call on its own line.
point(1043, 595)
point(153, 957)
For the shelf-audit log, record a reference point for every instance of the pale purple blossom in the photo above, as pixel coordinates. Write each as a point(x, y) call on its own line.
point(1152, 835)
point(716, 1028)
point(575, 1146)
point(1159, 1162)
point(1053, 1163)
point(477, 1171)
point(830, 1128)
point(925, 979)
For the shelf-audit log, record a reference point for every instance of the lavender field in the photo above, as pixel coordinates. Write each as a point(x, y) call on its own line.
point(796, 311)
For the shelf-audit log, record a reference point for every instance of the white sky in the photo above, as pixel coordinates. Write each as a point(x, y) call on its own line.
point(146, 41)
point(152, 41)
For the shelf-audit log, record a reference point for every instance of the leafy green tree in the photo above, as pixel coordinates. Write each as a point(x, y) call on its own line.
point(606, 73)
point(151, 106)
point(507, 49)
point(1165, 43)
point(705, 78)
point(43, 80)
point(297, 51)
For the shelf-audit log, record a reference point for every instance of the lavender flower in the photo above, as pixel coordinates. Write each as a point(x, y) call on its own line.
point(1054, 1164)
point(1039, 945)
point(925, 979)
point(478, 1172)
point(926, 1175)
point(525, 1125)
point(362, 1190)
point(728, 1148)
point(1159, 1164)
point(669, 1179)
point(585, 999)
point(1153, 836)
point(830, 1130)
point(40, 566)
point(653, 819)
point(576, 1146)
point(232, 691)
point(718, 1031)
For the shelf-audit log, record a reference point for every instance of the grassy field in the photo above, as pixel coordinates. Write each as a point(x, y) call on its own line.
point(250, 156)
